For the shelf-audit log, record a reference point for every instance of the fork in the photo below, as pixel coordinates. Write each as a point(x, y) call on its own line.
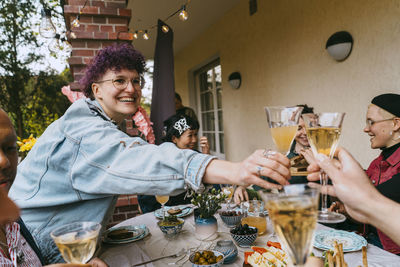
point(180, 253)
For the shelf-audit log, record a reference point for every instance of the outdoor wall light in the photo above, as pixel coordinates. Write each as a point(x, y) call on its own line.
point(339, 45)
point(235, 80)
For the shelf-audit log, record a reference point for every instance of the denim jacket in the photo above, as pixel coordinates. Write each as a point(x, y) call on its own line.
point(82, 162)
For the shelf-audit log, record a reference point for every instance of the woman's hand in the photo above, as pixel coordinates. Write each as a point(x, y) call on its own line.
point(205, 147)
point(240, 195)
point(96, 262)
point(337, 206)
point(308, 155)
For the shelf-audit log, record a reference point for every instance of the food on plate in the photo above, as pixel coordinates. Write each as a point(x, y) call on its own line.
point(243, 230)
point(206, 257)
point(231, 213)
point(335, 258)
point(298, 163)
point(268, 256)
point(120, 234)
point(170, 221)
point(174, 211)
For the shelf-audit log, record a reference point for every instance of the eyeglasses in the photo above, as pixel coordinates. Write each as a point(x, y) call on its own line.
point(121, 83)
point(370, 122)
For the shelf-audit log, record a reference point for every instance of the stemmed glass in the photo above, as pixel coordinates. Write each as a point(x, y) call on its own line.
point(162, 200)
point(76, 241)
point(294, 213)
point(283, 123)
point(323, 133)
point(228, 190)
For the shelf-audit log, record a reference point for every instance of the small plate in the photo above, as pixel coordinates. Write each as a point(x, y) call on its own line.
point(324, 239)
point(139, 232)
point(186, 210)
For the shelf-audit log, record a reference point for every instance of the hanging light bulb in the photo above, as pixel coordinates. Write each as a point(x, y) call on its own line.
point(165, 28)
point(135, 35)
point(72, 35)
point(66, 46)
point(54, 45)
point(183, 15)
point(145, 35)
point(76, 23)
point(47, 29)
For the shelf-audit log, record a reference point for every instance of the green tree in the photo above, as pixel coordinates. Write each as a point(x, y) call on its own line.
point(16, 54)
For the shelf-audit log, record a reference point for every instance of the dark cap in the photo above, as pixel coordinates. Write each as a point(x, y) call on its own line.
point(388, 102)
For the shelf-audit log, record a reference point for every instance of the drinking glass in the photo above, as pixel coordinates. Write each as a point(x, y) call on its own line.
point(76, 241)
point(162, 200)
point(254, 215)
point(323, 133)
point(228, 190)
point(283, 123)
point(294, 213)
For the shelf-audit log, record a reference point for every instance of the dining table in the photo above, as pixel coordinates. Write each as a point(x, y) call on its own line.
point(155, 245)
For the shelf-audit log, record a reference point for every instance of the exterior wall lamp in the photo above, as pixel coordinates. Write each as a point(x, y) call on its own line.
point(235, 80)
point(339, 45)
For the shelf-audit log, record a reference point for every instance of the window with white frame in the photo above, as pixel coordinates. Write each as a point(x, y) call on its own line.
point(209, 95)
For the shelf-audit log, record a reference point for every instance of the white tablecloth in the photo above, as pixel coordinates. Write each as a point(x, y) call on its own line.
point(156, 245)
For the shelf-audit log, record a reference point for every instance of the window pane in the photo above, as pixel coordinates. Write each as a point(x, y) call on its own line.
point(221, 143)
point(209, 79)
point(218, 78)
point(203, 81)
point(220, 121)
point(208, 121)
point(207, 102)
point(219, 98)
point(211, 141)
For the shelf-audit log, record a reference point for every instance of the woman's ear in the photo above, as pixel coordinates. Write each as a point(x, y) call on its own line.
point(96, 91)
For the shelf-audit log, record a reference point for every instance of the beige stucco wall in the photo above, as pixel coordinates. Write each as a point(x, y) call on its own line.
point(280, 52)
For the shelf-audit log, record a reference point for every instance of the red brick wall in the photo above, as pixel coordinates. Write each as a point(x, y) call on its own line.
point(101, 24)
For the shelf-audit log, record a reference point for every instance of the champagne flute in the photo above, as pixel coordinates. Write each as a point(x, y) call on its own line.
point(162, 200)
point(76, 241)
point(228, 190)
point(294, 213)
point(323, 133)
point(283, 123)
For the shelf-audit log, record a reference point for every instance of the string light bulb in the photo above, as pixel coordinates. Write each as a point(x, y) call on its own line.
point(54, 45)
point(135, 35)
point(46, 28)
point(165, 28)
point(72, 35)
point(145, 35)
point(183, 15)
point(76, 23)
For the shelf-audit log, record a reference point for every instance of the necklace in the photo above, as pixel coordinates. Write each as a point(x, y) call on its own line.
point(20, 254)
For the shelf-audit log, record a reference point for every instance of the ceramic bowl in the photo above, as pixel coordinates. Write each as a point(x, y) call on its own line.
point(231, 221)
point(245, 240)
point(171, 230)
point(216, 253)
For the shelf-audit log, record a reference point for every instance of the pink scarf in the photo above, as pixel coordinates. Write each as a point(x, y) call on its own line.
point(141, 119)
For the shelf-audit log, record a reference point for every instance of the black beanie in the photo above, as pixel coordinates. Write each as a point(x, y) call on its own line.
point(388, 102)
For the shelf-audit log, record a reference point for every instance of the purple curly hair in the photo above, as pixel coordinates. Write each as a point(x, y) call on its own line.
point(114, 57)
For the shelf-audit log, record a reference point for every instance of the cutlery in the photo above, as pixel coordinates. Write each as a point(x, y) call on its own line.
point(180, 253)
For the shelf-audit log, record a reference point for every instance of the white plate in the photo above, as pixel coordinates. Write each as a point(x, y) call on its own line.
point(139, 232)
point(186, 210)
point(324, 239)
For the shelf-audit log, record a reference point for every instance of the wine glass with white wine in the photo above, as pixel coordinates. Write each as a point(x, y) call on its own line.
point(77, 241)
point(162, 200)
point(228, 190)
point(294, 213)
point(323, 133)
point(283, 122)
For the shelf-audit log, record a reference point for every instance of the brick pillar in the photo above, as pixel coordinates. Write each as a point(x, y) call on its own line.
point(101, 24)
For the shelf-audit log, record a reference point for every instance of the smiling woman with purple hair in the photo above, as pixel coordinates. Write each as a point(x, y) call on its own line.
point(84, 160)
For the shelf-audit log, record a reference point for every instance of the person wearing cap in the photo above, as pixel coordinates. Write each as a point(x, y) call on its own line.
point(383, 126)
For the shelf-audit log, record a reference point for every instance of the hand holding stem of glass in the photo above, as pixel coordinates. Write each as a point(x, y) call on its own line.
point(294, 215)
point(283, 123)
point(162, 200)
point(77, 241)
point(323, 133)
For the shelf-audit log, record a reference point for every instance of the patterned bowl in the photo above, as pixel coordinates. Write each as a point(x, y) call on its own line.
point(245, 241)
point(171, 230)
point(231, 221)
point(216, 253)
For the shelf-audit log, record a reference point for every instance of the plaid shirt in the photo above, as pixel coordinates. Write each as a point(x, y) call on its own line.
point(21, 254)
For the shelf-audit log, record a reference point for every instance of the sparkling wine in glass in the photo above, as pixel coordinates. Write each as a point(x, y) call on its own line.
point(323, 133)
point(294, 213)
point(162, 200)
point(228, 190)
point(283, 123)
point(77, 241)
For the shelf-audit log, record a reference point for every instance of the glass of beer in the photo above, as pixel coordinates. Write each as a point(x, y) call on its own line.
point(162, 200)
point(294, 213)
point(254, 215)
point(283, 122)
point(76, 241)
point(323, 133)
